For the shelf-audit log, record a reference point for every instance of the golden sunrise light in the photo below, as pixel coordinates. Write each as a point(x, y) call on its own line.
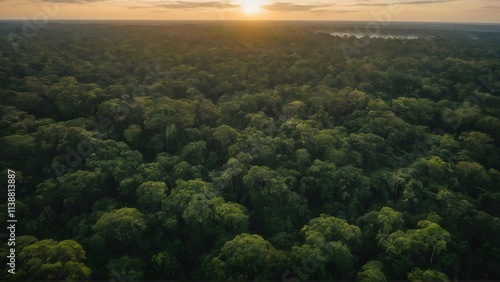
point(485, 11)
point(251, 7)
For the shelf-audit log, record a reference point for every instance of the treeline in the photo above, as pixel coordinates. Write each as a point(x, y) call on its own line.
point(216, 152)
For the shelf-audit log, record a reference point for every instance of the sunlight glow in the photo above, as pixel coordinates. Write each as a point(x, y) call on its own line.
point(250, 7)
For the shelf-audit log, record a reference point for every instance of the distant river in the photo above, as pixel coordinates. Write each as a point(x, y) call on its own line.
point(385, 36)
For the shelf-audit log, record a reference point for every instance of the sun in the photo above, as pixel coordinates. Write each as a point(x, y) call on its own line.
point(250, 7)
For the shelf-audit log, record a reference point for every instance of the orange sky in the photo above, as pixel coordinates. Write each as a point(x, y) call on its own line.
point(367, 10)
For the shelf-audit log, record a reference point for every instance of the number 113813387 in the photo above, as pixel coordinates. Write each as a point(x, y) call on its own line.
point(11, 194)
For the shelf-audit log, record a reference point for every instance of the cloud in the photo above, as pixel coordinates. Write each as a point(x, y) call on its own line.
point(180, 5)
point(73, 1)
point(412, 2)
point(290, 7)
point(491, 7)
point(187, 5)
point(342, 11)
point(426, 2)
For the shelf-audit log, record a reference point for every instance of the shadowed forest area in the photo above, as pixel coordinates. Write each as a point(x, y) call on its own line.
point(273, 151)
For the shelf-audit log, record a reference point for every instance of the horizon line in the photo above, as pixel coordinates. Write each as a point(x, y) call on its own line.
point(245, 20)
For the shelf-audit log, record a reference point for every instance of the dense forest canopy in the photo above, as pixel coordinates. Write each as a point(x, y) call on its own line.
point(197, 151)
